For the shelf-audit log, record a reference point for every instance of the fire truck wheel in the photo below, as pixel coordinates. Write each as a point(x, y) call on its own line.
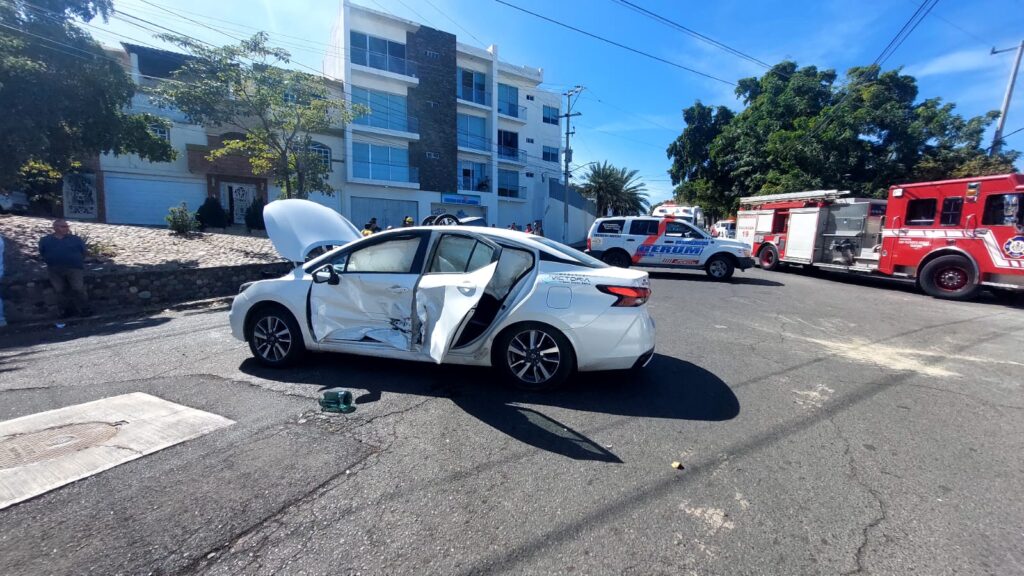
point(950, 277)
point(617, 258)
point(769, 258)
point(719, 268)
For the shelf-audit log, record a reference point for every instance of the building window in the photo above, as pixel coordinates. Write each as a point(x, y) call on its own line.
point(472, 86)
point(529, 140)
point(508, 184)
point(322, 152)
point(921, 212)
point(508, 101)
point(472, 132)
point(431, 104)
point(433, 156)
point(551, 115)
point(529, 97)
point(432, 54)
point(381, 54)
point(508, 146)
point(378, 162)
point(951, 211)
point(474, 176)
point(387, 110)
point(529, 174)
point(551, 154)
point(160, 131)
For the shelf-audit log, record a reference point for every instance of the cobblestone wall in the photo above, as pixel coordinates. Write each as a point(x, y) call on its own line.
point(34, 299)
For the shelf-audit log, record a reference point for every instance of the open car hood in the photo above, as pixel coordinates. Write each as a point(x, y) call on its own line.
point(296, 227)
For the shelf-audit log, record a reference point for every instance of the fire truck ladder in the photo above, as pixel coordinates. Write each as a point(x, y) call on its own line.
point(811, 195)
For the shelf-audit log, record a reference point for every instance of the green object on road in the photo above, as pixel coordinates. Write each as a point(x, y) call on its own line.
point(337, 400)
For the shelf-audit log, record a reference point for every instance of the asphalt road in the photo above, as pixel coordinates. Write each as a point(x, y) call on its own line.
point(824, 426)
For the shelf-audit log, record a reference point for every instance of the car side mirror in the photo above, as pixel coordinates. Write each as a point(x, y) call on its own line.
point(326, 275)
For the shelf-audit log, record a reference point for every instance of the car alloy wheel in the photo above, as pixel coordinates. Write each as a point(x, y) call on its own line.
point(533, 356)
point(272, 339)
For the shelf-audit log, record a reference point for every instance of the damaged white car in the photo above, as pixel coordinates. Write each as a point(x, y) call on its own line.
point(532, 308)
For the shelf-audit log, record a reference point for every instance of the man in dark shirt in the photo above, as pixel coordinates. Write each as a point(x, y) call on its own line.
point(64, 254)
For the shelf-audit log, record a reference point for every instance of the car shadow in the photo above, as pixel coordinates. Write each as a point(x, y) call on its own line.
point(668, 388)
point(697, 276)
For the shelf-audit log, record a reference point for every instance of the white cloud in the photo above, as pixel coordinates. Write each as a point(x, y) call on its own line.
point(954, 63)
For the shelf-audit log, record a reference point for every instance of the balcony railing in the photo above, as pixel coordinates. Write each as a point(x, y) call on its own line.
point(513, 110)
point(473, 95)
point(475, 184)
point(475, 142)
point(381, 61)
point(390, 122)
point(512, 153)
point(511, 191)
point(385, 172)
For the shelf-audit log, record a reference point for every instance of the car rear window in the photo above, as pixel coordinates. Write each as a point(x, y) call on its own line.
point(568, 254)
point(643, 228)
point(611, 227)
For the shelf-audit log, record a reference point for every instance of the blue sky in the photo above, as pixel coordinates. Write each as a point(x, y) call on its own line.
point(631, 106)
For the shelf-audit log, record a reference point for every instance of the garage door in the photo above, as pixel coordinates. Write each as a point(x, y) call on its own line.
point(387, 212)
point(139, 201)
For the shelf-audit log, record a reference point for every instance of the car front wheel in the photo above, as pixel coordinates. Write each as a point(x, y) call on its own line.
point(719, 268)
point(274, 337)
point(534, 356)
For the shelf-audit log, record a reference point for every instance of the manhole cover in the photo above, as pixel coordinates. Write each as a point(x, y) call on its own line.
point(52, 443)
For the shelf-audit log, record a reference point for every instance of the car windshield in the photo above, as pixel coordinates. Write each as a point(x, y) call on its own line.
point(571, 253)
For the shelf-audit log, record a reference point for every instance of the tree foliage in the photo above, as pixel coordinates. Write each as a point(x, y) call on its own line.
point(615, 190)
point(246, 87)
point(801, 130)
point(63, 99)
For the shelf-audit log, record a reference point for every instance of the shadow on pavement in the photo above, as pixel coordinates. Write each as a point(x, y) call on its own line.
point(21, 336)
point(667, 388)
point(699, 276)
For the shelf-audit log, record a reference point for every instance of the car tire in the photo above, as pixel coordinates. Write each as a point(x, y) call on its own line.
point(768, 258)
point(274, 337)
point(617, 258)
point(949, 277)
point(720, 268)
point(533, 356)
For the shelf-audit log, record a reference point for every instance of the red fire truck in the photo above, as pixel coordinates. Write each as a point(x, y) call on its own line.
point(953, 236)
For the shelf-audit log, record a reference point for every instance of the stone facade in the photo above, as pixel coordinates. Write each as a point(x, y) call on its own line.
point(433, 102)
point(34, 299)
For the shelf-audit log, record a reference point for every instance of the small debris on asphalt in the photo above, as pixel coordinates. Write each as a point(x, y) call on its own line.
point(336, 400)
point(677, 465)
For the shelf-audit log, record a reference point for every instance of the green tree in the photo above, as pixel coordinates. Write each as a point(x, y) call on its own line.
point(618, 190)
point(246, 88)
point(63, 99)
point(803, 131)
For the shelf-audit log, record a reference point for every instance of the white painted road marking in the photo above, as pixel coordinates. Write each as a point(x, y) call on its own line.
point(47, 450)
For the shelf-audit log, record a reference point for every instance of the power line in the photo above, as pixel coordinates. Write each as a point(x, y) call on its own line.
point(693, 33)
point(450, 19)
point(617, 44)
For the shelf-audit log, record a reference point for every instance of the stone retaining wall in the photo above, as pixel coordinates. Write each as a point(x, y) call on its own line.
point(34, 299)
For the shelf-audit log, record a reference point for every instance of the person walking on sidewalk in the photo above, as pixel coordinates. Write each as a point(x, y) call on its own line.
point(64, 254)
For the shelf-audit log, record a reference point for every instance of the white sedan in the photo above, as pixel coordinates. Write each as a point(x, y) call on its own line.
point(534, 309)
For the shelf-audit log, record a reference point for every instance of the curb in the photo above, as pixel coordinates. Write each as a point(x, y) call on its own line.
point(127, 313)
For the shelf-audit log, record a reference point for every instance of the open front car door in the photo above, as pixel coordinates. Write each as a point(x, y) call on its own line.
point(460, 268)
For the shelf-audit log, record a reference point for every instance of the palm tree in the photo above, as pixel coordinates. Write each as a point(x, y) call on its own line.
point(617, 190)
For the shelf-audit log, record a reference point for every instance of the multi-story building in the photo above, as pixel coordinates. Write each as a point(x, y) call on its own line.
point(452, 128)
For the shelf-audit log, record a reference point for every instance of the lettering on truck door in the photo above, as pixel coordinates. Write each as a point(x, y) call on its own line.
point(680, 245)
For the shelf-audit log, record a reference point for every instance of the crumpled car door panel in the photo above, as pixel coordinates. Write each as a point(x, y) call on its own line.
point(443, 302)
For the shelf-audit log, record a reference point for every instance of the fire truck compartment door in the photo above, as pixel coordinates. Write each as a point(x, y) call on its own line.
point(764, 221)
point(803, 231)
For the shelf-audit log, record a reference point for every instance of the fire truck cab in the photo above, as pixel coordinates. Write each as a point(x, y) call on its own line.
point(952, 237)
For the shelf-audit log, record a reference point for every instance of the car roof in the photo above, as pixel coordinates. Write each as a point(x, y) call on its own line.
point(524, 238)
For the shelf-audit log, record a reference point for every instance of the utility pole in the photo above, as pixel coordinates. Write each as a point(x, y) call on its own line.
point(576, 90)
point(998, 136)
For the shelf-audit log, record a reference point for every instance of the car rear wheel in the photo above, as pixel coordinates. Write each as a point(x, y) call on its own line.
point(617, 258)
point(274, 337)
point(951, 277)
point(769, 258)
point(534, 356)
point(719, 268)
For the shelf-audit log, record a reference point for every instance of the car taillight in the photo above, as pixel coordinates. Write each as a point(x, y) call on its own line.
point(628, 295)
point(588, 243)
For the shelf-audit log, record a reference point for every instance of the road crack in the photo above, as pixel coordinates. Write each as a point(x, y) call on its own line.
point(883, 512)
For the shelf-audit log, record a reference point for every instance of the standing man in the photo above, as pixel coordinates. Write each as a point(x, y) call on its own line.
point(64, 254)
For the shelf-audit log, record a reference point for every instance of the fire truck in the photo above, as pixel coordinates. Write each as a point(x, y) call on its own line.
point(952, 237)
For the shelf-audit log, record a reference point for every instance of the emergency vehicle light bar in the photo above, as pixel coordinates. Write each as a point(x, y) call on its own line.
point(812, 195)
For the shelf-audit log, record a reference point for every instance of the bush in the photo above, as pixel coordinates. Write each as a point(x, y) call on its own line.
point(254, 215)
point(212, 215)
point(181, 221)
